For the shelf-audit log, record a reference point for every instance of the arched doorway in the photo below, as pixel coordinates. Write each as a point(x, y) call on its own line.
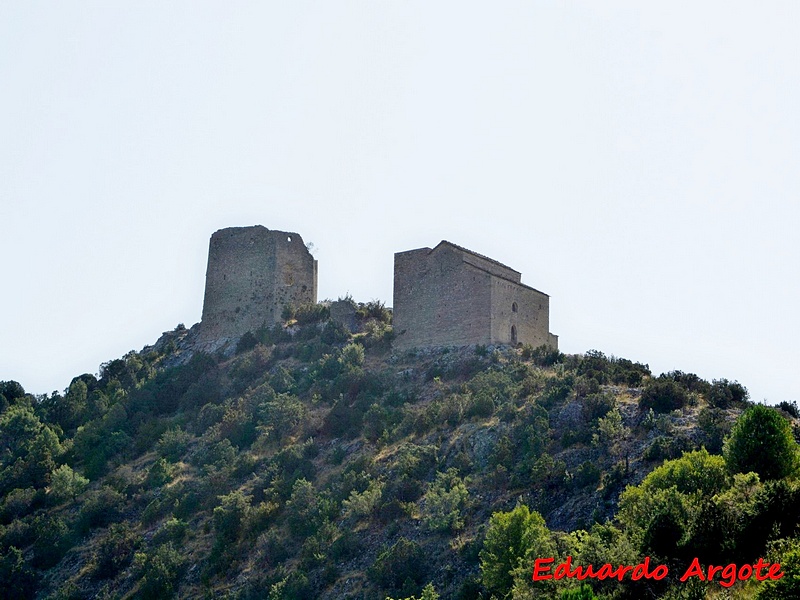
point(513, 335)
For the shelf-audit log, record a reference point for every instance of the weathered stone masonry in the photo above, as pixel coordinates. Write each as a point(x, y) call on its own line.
point(445, 296)
point(252, 274)
point(451, 296)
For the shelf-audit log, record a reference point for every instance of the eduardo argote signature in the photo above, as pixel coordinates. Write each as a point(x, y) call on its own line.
point(728, 574)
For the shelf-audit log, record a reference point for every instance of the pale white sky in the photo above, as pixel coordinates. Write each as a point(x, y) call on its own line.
point(636, 161)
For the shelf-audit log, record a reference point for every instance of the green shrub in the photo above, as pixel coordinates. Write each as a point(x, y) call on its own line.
point(173, 530)
point(724, 393)
point(480, 406)
point(282, 380)
point(160, 473)
point(403, 562)
point(692, 473)
point(173, 443)
point(18, 503)
point(511, 538)
point(595, 365)
point(762, 441)
point(101, 508)
point(247, 342)
point(374, 309)
point(790, 408)
point(543, 356)
point(587, 474)
point(230, 514)
point(161, 569)
point(715, 426)
point(663, 395)
point(306, 314)
point(556, 390)
point(598, 405)
point(307, 509)
point(788, 586)
point(584, 592)
point(282, 414)
point(53, 540)
point(115, 550)
point(445, 501)
point(66, 484)
point(17, 579)
point(689, 381)
point(11, 391)
point(626, 372)
point(359, 505)
point(428, 593)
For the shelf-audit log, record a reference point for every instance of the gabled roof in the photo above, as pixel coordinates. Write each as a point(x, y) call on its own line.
point(481, 256)
point(491, 260)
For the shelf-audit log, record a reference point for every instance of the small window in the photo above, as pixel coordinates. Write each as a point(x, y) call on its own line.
point(513, 307)
point(513, 334)
point(289, 238)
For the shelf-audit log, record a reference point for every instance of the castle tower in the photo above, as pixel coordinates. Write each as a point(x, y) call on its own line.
point(252, 274)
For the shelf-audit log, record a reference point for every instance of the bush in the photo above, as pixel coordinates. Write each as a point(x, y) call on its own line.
point(160, 570)
point(444, 502)
point(230, 514)
point(173, 443)
point(480, 406)
point(11, 391)
point(404, 562)
point(512, 537)
point(160, 472)
point(247, 342)
point(18, 503)
point(428, 593)
point(695, 472)
point(715, 426)
point(790, 408)
point(788, 586)
point(304, 509)
point(102, 507)
point(282, 414)
point(53, 539)
point(374, 309)
point(599, 405)
point(724, 393)
point(115, 550)
point(587, 474)
point(762, 441)
point(543, 356)
point(666, 448)
point(663, 395)
point(556, 390)
point(689, 381)
point(307, 313)
point(595, 365)
point(66, 484)
point(582, 593)
point(17, 579)
point(362, 504)
point(334, 332)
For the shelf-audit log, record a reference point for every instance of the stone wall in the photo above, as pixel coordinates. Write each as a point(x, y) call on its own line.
point(252, 274)
point(451, 296)
point(525, 309)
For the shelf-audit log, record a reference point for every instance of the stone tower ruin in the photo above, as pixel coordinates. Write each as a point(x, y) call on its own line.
point(451, 296)
point(252, 274)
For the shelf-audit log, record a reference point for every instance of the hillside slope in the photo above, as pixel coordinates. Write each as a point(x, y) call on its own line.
point(309, 462)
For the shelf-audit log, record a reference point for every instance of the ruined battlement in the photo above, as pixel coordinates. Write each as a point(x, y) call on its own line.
point(253, 272)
